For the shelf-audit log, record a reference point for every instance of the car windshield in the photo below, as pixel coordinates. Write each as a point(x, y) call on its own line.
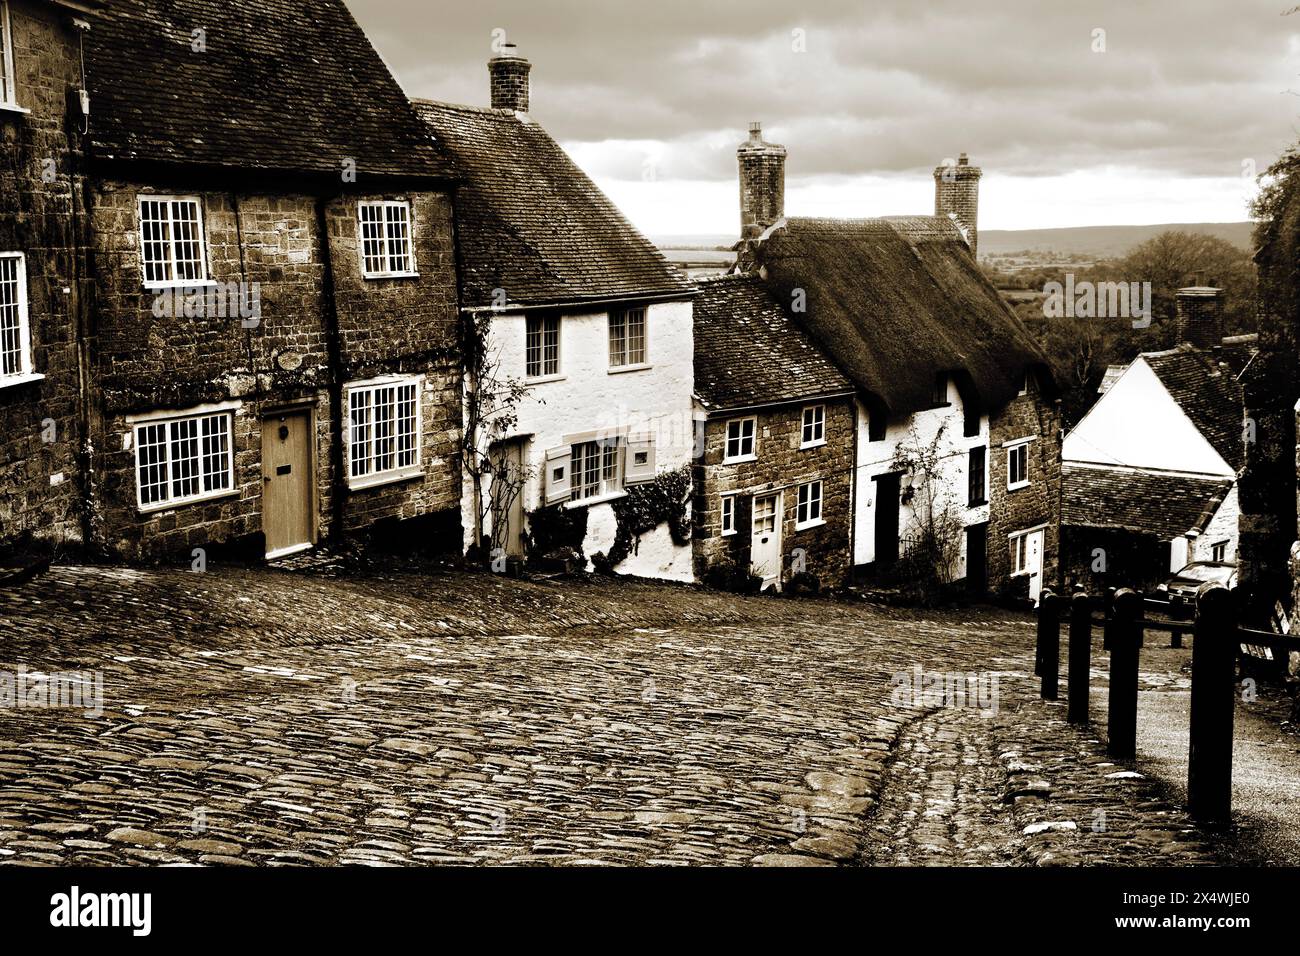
point(1205, 572)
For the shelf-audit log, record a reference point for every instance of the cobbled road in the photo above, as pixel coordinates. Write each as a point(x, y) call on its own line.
point(278, 717)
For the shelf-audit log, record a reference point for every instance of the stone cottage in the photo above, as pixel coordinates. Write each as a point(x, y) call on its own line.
point(44, 282)
point(774, 483)
point(579, 376)
point(1150, 473)
point(957, 426)
point(271, 353)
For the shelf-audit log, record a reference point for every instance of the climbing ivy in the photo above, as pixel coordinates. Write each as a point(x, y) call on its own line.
point(643, 509)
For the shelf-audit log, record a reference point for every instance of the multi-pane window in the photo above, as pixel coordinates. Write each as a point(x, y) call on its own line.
point(810, 505)
point(627, 338)
point(542, 346)
point(729, 515)
point(594, 469)
point(183, 459)
point(15, 326)
point(740, 439)
point(172, 248)
point(1018, 466)
point(383, 432)
point(386, 239)
point(977, 491)
point(814, 426)
point(8, 97)
point(1019, 553)
point(1219, 552)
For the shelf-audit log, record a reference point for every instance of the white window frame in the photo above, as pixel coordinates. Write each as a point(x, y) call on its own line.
point(170, 421)
point(374, 477)
point(1219, 551)
point(623, 360)
point(169, 263)
point(8, 88)
point(727, 520)
point(609, 484)
point(741, 455)
point(804, 502)
point(386, 219)
point(543, 375)
point(1014, 449)
point(816, 425)
point(24, 372)
point(1018, 545)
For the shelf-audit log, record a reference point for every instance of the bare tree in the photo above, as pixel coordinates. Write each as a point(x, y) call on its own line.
point(934, 533)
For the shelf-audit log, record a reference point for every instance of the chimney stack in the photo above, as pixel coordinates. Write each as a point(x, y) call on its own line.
point(762, 183)
point(1198, 317)
point(509, 73)
point(957, 196)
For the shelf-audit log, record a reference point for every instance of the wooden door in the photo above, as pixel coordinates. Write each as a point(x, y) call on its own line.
point(1034, 563)
point(765, 545)
point(977, 558)
point(508, 497)
point(888, 491)
point(287, 483)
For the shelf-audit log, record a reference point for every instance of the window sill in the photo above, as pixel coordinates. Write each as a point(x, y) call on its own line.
point(185, 502)
point(977, 504)
point(11, 381)
point(596, 499)
point(743, 459)
point(374, 276)
point(727, 534)
point(542, 380)
point(813, 444)
point(387, 478)
point(1019, 485)
point(621, 369)
point(14, 108)
point(819, 523)
point(174, 286)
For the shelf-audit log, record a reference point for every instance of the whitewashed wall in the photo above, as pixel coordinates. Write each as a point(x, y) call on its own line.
point(588, 396)
point(877, 458)
point(1222, 527)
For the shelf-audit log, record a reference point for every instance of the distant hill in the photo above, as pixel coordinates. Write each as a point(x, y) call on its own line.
point(1102, 241)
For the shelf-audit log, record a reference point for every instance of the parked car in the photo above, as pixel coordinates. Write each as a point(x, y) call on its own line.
point(1186, 583)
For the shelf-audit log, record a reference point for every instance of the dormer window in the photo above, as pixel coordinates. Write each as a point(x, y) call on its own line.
point(386, 250)
point(8, 96)
point(940, 397)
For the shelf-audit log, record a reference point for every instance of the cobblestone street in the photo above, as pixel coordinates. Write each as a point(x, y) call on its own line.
point(278, 717)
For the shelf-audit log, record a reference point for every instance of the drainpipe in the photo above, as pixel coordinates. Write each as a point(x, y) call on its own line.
point(334, 358)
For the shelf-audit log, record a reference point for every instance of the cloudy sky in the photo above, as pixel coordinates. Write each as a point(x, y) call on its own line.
point(1084, 113)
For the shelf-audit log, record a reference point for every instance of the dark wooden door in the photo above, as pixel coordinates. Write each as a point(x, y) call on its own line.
point(977, 558)
point(888, 490)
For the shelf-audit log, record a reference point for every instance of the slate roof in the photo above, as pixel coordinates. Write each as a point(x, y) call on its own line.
point(1163, 505)
point(529, 221)
point(283, 85)
point(1208, 394)
point(897, 301)
point(748, 352)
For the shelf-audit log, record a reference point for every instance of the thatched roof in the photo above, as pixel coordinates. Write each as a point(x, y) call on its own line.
point(897, 301)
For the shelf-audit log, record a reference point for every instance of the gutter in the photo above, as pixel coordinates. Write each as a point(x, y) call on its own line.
point(580, 303)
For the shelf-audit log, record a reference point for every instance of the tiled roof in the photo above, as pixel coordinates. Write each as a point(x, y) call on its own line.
point(897, 301)
point(282, 85)
point(1162, 505)
point(531, 223)
point(748, 352)
point(1208, 394)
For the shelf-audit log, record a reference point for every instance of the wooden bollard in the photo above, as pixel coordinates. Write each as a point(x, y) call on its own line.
point(1080, 658)
point(1214, 693)
point(1047, 659)
point(1124, 638)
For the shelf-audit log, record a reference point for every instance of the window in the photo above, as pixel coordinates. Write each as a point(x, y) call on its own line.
point(172, 250)
point(1024, 384)
point(978, 493)
point(1018, 466)
point(15, 325)
point(1019, 554)
point(1219, 552)
point(627, 338)
point(183, 459)
point(383, 432)
point(814, 426)
point(542, 348)
point(740, 439)
point(594, 469)
point(728, 516)
point(940, 395)
point(386, 240)
point(8, 96)
point(810, 505)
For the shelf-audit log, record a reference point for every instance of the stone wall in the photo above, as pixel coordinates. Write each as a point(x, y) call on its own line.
point(40, 182)
point(781, 466)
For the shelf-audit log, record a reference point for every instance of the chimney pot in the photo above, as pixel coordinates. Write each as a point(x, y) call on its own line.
point(762, 183)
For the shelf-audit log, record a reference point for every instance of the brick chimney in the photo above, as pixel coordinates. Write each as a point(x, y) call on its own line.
point(957, 195)
point(762, 183)
point(1198, 317)
point(509, 73)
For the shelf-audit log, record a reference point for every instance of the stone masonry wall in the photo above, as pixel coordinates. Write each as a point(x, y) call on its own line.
point(781, 466)
point(39, 183)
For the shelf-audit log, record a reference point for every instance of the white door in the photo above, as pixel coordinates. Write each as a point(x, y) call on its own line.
point(1034, 563)
point(765, 548)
